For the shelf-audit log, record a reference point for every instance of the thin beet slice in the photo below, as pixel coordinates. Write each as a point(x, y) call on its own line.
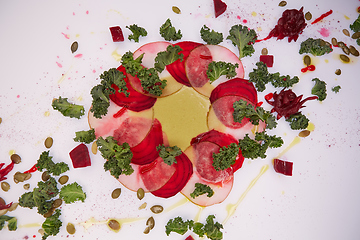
point(184, 170)
point(236, 87)
point(135, 101)
point(80, 156)
point(177, 68)
point(219, 7)
point(145, 152)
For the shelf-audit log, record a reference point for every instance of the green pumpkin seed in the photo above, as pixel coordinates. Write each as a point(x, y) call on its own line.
point(63, 179)
point(45, 176)
point(150, 222)
point(307, 60)
point(304, 133)
point(116, 193)
point(346, 50)
point(15, 158)
point(308, 16)
point(114, 225)
point(176, 10)
point(140, 193)
point(48, 142)
point(13, 207)
point(70, 228)
point(334, 42)
point(0, 120)
point(282, 3)
point(338, 72)
point(156, 209)
point(5, 186)
point(354, 51)
point(49, 213)
point(147, 230)
point(356, 35)
point(344, 58)
point(57, 203)
point(74, 47)
point(341, 44)
point(346, 32)
point(27, 186)
point(143, 206)
point(21, 177)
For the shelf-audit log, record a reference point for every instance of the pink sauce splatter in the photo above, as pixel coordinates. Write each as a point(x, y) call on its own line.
point(94, 71)
point(238, 17)
point(66, 35)
point(324, 32)
point(244, 21)
point(78, 55)
point(59, 64)
point(87, 12)
point(18, 96)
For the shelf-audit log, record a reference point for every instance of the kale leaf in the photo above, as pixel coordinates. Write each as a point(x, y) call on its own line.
point(319, 89)
point(225, 157)
point(201, 189)
point(169, 154)
point(45, 162)
point(132, 66)
point(85, 136)
point(178, 225)
point(316, 47)
point(355, 26)
point(216, 69)
point(298, 121)
point(68, 109)
point(168, 57)
point(243, 38)
point(211, 37)
point(168, 32)
point(136, 32)
point(12, 222)
point(150, 81)
point(51, 225)
point(72, 192)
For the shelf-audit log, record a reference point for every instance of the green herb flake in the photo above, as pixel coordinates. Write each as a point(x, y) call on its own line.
point(211, 37)
point(201, 189)
point(336, 89)
point(68, 109)
point(136, 32)
point(85, 136)
point(168, 32)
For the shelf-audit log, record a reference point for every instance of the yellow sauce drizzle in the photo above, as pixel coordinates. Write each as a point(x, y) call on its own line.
point(30, 225)
point(47, 113)
point(231, 208)
point(178, 204)
point(310, 127)
point(293, 143)
point(92, 221)
point(11, 152)
point(197, 217)
point(116, 55)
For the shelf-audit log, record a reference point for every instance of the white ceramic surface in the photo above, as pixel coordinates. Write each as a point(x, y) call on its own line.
point(321, 199)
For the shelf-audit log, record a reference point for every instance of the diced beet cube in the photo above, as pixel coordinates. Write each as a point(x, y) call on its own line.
point(220, 7)
point(189, 238)
point(117, 34)
point(267, 59)
point(80, 156)
point(283, 167)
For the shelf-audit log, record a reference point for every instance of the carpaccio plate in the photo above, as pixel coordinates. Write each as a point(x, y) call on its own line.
point(320, 200)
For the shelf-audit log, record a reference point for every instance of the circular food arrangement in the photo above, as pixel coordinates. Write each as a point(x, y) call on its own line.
point(190, 121)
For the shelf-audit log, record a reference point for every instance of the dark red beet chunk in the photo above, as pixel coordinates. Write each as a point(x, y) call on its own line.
point(235, 87)
point(136, 101)
point(117, 34)
point(3, 206)
point(145, 152)
point(80, 156)
point(267, 59)
point(219, 7)
point(177, 68)
point(291, 25)
point(189, 238)
point(183, 172)
point(283, 167)
point(286, 103)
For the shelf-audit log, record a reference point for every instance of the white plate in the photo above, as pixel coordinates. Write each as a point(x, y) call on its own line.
point(321, 199)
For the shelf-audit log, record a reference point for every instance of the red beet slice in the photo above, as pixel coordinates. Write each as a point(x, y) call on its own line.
point(117, 34)
point(156, 174)
point(177, 68)
point(236, 87)
point(6, 170)
point(135, 101)
point(184, 170)
point(145, 152)
point(219, 7)
point(80, 156)
point(267, 59)
point(283, 167)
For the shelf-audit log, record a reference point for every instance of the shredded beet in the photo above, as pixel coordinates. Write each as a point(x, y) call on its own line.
point(291, 25)
point(6, 170)
point(283, 167)
point(286, 103)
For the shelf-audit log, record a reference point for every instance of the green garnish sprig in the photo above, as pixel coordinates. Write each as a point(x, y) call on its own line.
point(169, 154)
point(225, 157)
point(217, 69)
point(168, 32)
point(68, 109)
point(211, 37)
point(136, 32)
point(201, 189)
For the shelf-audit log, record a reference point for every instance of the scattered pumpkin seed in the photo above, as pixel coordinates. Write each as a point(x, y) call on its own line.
point(0, 120)
point(304, 133)
point(356, 35)
point(94, 148)
point(282, 3)
point(41, 231)
point(48, 142)
point(70, 228)
point(338, 72)
point(150, 222)
point(74, 47)
point(45, 176)
point(264, 51)
point(140, 193)
point(5, 186)
point(3, 212)
point(334, 42)
point(346, 50)
point(307, 60)
point(63, 179)
point(354, 51)
point(13, 207)
point(344, 58)
point(114, 225)
point(116, 193)
point(21, 177)
point(176, 10)
point(157, 209)
point(143, 206)
point(15, 158)
point(2, 201)
point(57, 203)
point(341, 44)
point(147, 230)
point(346, 32)
point(27, 186)
point(49, 213)
point(308, 16)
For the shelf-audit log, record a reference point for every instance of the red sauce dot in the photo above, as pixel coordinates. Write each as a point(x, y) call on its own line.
point(244, 21)
point(34, 236)
point(311, 68)
point(18, 96)
point(303, 70)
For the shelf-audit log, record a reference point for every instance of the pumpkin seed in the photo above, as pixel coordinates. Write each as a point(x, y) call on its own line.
point(5, 186)
point(346, 50)
point(147, 230)
point(74, 47)
point(15, 158)
point(70, 228)
point(353, 51)
point(282, 3)
point(0, 120)
point(21, 177)
point(304, 133)
point(94, 148)
point(307, 60)
point(308, 16)
point(48, 142)
point(41, 231)
point(156, 209)
point(45, 176)
point(356, 35)
point(344, 58)
point(338, 72)
point(341, 44)
point(143, 206)
point(150, 222)
point(264, 51)
point(27, 186)
point(114, 225)
point(334, 42)
point(116, 193)
point(57, 203)
point(346, 32)
point(140, 193)
point(176, 10)
point(13, 207)
point(49, 213)
point(63, 179)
